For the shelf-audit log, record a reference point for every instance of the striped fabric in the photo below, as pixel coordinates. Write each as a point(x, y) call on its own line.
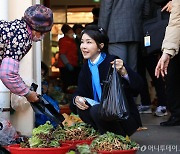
point(11, 78)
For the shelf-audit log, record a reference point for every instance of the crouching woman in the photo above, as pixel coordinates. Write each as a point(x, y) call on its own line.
point(94, 47)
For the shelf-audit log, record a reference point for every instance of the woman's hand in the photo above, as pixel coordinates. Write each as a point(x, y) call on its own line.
point(32, 97)
point(80, 103)
point(120, 67)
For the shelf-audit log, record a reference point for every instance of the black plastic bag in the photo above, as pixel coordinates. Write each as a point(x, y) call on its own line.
point(113, 104)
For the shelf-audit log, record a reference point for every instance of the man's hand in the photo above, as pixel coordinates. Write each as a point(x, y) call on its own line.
point(167, 7)
point(162, 65)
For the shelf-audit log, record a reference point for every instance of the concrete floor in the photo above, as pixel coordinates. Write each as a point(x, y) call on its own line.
point(157, 139)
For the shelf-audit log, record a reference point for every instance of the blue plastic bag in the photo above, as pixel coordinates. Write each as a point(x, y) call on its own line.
point(41, 118)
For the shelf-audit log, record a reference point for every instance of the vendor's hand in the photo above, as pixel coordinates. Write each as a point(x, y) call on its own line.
point(162, 65)
point(120, 67)
point(32, 97)
point(81, 103)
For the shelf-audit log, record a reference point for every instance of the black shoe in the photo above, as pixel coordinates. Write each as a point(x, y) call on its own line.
point(172, 121)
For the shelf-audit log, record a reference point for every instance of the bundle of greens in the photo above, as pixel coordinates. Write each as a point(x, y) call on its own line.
point(42, 137)
point(79, 131)
point(110, 141)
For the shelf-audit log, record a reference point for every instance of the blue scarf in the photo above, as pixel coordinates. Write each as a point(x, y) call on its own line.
point(97, 91)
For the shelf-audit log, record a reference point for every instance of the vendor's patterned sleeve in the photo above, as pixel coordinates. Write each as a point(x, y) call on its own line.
point(11, 78)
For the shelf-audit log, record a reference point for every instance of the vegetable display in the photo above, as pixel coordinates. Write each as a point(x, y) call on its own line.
point(45, 136)
point(110, 141)
point(107, 142)
point(42, 137)
point(79, 131)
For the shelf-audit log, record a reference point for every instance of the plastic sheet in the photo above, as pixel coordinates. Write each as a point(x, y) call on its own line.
point(19, 103)
point(8, 133)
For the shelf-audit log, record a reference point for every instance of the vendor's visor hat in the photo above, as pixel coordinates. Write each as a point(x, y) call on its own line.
point(39, 18)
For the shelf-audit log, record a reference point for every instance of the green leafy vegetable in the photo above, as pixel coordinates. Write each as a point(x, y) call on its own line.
point(42, 137)
point(42, 129)
point(79, 131)
point(110, 141)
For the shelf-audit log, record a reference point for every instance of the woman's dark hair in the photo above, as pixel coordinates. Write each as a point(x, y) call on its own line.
point(98, 35)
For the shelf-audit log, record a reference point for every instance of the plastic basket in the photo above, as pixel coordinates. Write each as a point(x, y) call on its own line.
point(16, 149)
